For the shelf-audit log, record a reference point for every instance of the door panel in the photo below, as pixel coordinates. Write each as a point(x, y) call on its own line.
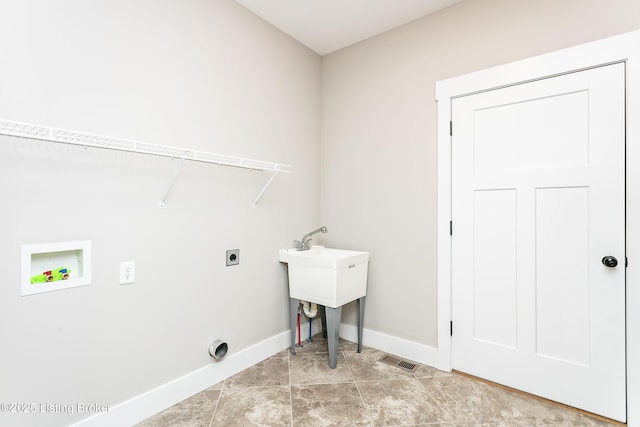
point(537, 202)
point(562, 274)
point(495, 239)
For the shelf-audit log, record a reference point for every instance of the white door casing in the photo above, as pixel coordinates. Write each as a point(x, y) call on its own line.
point(611, 50)
point(537, 201)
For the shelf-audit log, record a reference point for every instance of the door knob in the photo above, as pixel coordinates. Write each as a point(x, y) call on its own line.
point(610, 261)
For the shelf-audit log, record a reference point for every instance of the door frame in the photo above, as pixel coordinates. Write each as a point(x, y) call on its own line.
point(611, 50)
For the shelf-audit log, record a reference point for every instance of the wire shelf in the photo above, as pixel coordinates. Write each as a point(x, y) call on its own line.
point(31, 131)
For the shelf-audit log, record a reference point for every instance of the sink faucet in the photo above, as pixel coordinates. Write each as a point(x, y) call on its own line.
point(303, 244)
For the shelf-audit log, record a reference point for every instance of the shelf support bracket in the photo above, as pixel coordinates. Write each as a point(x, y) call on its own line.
point(175, 174)
point(255, 202)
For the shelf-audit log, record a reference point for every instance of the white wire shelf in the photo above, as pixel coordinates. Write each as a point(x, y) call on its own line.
point(45, 133)
point(31, 131)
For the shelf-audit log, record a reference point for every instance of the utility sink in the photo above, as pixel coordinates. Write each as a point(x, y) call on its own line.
point(329, 277)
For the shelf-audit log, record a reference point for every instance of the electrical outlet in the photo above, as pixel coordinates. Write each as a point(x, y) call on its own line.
point(127, 272)
point(233, 257)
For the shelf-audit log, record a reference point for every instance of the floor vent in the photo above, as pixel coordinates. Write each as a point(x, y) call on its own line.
point(390, 360)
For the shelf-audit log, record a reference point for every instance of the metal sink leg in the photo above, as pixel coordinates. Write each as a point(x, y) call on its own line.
point(333, 330)
point(360, 315)
point(294, 322)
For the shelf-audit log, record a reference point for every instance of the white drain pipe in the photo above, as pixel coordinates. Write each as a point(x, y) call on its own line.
point(310, 309)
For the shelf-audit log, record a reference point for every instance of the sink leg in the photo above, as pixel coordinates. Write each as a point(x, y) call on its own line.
point(323, 320)
point(333, 325)
point(360, 315)
point(294, 322)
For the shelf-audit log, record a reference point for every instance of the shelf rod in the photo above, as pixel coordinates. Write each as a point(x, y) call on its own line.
point(255, 202)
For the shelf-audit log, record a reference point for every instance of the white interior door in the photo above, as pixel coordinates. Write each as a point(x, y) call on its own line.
point(538, 200)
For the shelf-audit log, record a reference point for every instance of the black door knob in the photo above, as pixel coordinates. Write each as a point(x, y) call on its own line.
point(610, 261)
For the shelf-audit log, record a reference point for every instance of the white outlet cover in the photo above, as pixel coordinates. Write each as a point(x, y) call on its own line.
point(127, 272)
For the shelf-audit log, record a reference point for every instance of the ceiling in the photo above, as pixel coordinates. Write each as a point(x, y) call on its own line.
point(329, 25)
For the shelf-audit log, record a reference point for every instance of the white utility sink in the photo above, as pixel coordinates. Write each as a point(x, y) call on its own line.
point(329, 277)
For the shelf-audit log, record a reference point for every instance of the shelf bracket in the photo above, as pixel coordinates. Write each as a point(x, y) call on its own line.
point(255, 202)
point(175, 174)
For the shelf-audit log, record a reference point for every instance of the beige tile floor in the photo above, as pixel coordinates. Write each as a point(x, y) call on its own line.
point(302, 390)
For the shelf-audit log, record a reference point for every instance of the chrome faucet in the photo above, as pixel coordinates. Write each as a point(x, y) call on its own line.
point(303, 244)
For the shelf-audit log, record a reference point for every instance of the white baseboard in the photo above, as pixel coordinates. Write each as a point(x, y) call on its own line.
point(405, 349)
point(162, 397)
point(153, 401)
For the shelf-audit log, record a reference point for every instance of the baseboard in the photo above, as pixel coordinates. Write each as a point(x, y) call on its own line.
point(406, 349)
point(153, 401)
point(162, 397)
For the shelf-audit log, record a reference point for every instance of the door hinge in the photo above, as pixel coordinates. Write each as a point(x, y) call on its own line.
point(626, 262)
point(451, 328)
point(450, 228)
point(450, 127)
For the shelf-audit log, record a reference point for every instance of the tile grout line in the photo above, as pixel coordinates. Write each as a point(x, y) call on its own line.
point(213, 415)
point(354, 378)
point(390, 379)
point(254, 387)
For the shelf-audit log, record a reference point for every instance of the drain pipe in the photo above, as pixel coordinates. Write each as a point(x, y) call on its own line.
point(310, 309)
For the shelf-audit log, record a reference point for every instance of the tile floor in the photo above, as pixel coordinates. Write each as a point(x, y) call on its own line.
point(302, 390)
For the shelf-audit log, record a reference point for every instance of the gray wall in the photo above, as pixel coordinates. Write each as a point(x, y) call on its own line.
point(378, 173)
point(201, 74)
